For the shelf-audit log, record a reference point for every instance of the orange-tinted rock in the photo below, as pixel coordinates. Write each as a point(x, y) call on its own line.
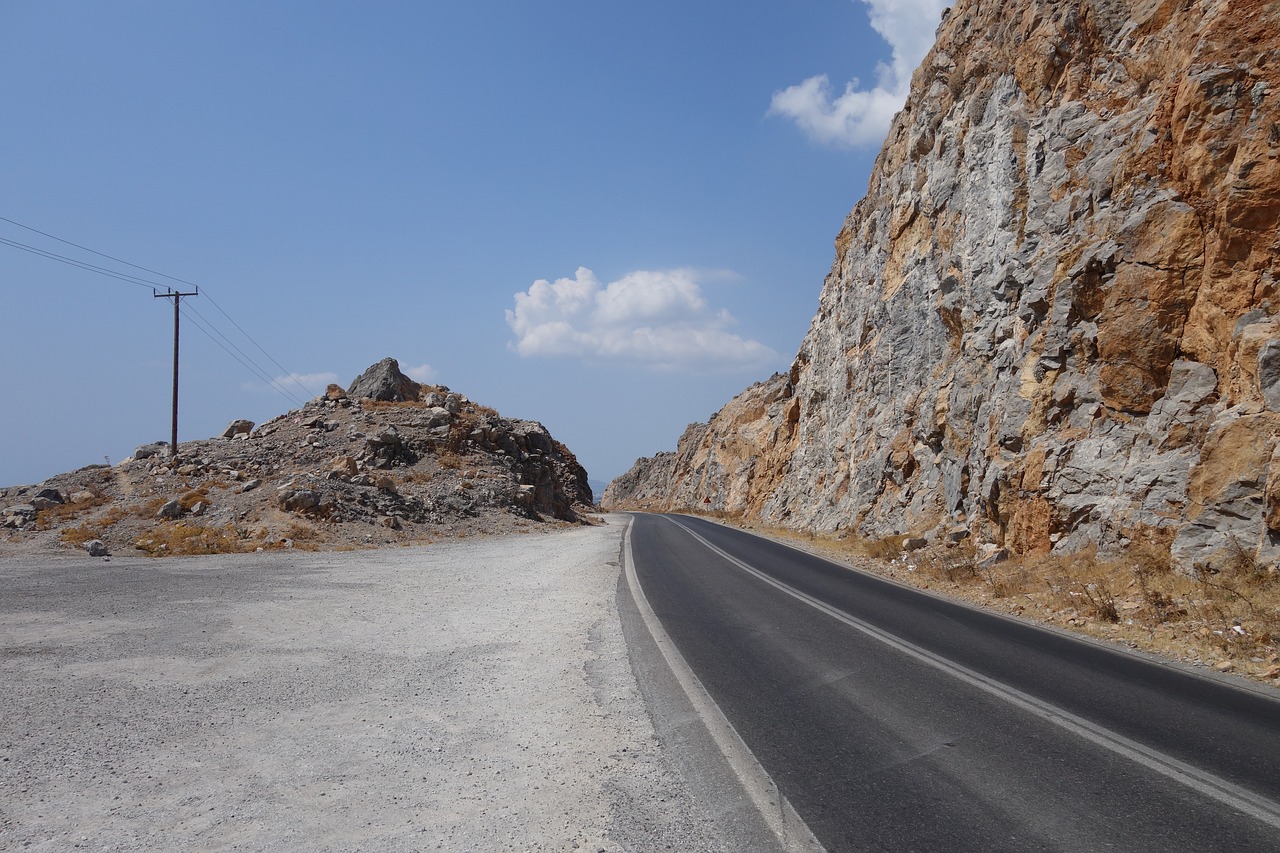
point(1058, 290)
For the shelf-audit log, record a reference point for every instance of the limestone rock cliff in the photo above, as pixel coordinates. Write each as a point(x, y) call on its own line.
point(1053, 318)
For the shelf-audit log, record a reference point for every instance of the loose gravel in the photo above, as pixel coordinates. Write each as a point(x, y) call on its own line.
point(469, 696)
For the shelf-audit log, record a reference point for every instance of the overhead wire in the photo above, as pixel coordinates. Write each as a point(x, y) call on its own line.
point(287, 373)
point(53, 256)
point(247, 361)
point(212, 333)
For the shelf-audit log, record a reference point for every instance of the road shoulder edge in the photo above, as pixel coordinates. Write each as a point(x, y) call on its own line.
point(772, 811)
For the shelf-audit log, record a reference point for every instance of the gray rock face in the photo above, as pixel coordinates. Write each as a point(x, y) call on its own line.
point(238, 427)
point(384, 381)
point(1046, 313)
point(1269, 374)
point(298, 500)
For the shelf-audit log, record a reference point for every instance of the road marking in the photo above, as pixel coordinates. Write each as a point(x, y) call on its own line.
point(787, 826)
point(1220, 789)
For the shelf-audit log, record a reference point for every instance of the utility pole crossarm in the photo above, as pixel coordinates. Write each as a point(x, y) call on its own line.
point(176, 296)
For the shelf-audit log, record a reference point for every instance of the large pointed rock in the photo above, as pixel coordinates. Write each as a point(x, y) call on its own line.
point(384, 381)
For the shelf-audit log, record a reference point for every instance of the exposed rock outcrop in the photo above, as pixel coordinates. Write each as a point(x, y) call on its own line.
point(1054, 316)
point(335, 471)
point(383, 381)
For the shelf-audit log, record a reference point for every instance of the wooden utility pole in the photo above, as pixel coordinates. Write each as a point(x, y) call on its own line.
point(176, 297)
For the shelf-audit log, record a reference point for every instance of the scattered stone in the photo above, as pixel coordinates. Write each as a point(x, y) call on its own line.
point(993, 557)
point(249, 486)
point(147, 451)
point(914, 543)
point(298, 500)
point(237, 428)
point(345, 465)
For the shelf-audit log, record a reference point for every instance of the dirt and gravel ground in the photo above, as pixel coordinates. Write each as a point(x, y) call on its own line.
point(469, 696)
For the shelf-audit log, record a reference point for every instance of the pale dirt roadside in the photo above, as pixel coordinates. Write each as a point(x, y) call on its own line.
point(469, 696)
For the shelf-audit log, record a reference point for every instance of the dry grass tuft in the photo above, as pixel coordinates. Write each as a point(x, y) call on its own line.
point(77, 536)
point(55, 516)
point(177, 538)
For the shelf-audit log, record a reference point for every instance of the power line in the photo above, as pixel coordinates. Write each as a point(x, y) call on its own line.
point(286, 372)
point(53, 256)
point(207, 327)
point(95, 252)
point(204, 325)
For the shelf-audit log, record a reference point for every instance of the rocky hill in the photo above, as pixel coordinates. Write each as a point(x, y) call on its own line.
point(387, 460)
point(1053, 320)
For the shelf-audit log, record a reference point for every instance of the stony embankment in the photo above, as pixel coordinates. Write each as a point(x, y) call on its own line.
point(386, 461)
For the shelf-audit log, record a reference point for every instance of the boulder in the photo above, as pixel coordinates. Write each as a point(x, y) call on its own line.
point(335, 392)
point(344, 465)
point(96, 548)
point(155, 448)
point(171, 509)
point(384, 381)
point(237, 428)
point(298, 500)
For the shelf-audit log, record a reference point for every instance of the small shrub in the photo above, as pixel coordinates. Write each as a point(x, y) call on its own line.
point(882, 549)
point(77, 536)
point(55, 516)
point(1101, 602)
point(175, 538)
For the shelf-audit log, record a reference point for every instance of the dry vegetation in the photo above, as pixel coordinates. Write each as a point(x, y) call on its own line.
point(1229, 621)
point(172, 538)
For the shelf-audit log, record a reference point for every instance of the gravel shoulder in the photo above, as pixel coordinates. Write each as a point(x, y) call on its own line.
point(474, 695)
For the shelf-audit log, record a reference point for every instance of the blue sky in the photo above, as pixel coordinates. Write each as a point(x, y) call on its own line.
point(610, 217)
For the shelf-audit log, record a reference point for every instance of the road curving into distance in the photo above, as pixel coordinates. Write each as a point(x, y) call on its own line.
point(892, 719)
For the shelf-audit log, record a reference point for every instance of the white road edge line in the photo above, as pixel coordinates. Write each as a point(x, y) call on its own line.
point(1205, 783)
point(788, 827)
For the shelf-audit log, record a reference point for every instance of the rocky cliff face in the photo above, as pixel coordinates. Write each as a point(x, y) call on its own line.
point(1053, 319)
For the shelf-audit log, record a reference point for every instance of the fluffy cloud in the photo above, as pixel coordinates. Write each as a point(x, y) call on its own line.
point(659, 319)
point(862, 116)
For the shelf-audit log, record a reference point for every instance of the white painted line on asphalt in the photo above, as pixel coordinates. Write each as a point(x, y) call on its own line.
point(1199, 780)
point(787, 826)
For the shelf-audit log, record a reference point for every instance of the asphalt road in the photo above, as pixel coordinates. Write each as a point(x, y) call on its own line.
point(894, 720)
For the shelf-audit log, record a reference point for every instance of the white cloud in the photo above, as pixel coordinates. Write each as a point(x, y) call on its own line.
point(862, 116)
point(656, 318)
point(422, 373)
